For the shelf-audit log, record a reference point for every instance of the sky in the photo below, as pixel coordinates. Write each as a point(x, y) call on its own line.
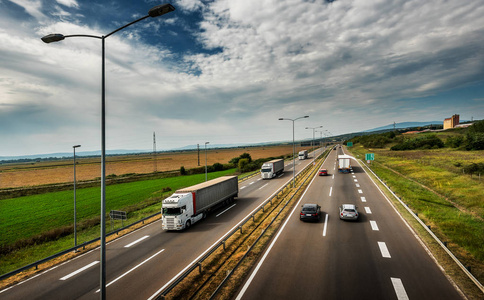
point(225, 71)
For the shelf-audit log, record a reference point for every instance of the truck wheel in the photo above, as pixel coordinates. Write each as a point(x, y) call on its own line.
point(188, 224)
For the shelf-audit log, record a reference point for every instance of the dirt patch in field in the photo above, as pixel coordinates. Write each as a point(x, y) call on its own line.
point(38, 173)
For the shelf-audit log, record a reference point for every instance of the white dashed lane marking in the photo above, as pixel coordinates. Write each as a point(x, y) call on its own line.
point(384, 250)
point(374, 226)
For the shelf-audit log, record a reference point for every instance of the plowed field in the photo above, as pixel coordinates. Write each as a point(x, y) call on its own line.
point(61, 171)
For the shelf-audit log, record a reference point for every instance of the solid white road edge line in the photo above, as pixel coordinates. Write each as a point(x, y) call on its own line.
point(137, 241)
point(248, 282)
point(80, 270)
point(139, 265)
point(384, 250)
point(225, 210)
point(399, 289)
point(325, 225)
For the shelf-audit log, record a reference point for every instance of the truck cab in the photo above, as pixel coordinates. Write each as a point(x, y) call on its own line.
point(177, 212)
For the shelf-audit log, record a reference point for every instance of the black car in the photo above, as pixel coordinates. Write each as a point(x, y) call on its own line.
point(310, 212)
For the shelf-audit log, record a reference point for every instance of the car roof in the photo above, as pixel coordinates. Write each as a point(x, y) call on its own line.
point(350, 206)
point(309, 205)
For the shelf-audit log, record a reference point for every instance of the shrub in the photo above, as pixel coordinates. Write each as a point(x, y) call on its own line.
point(183, 171)
point(218, 167)
point(235, 160)
point(454, 141)
point(423, 142)
point(475, 141)
point(242, 165)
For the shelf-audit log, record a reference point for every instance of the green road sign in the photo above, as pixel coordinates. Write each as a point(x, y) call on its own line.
point(349, 144)
point(370, 156)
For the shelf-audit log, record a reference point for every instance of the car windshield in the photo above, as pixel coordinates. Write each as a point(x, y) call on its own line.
point(266, 170)
point(348, 210)
point(171, 211)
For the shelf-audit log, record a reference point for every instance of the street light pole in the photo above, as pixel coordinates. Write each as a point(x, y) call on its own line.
point(206, 160)
point(313, 128)
point(293, 149)
point(156, 11)
point(75, 217)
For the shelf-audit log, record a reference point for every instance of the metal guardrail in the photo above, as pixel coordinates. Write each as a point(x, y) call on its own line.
point(415, 216)
point(249, 217)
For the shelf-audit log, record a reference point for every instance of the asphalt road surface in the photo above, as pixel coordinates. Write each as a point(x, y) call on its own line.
point(376, 257)
point(141, 264)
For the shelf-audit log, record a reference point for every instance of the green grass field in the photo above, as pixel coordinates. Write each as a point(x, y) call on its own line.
point(24, 217)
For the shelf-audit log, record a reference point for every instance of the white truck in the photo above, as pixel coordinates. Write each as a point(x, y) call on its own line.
point(189, 205)
point(344, 163)
point(272, 168)
point(303, 154)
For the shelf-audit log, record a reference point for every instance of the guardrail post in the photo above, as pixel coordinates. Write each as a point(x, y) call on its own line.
point(200, 268)
point(223, 243)
point(429, 227)
point(253, 218)
point(445, 244)
point(240, 227)
point(469, 269)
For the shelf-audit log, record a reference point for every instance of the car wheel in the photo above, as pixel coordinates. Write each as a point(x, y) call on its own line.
point(188, 224)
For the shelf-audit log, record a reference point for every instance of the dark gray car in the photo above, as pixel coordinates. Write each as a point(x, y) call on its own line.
point(310, 212)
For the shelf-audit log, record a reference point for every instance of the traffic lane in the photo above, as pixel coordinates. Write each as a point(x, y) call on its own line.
point(410, 261)
point(304, 264)
point(289, 270)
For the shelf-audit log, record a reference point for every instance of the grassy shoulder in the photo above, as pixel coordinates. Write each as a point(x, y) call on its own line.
point(449, 202)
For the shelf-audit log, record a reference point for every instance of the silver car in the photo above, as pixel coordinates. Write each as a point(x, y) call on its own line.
point(348, 212)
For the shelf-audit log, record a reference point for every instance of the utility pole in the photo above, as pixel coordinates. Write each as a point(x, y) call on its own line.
point(198, 150)
point(154, 153)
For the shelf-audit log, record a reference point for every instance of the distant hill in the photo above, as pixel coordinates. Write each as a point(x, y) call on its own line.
point(403, 125)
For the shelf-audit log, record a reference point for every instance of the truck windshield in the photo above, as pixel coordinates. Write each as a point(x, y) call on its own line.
point(266, 170)
point(171, 211)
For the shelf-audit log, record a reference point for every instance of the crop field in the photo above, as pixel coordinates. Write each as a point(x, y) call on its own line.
point(88, 168)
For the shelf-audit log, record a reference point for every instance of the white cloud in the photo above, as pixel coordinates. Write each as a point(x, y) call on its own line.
point(68, 3)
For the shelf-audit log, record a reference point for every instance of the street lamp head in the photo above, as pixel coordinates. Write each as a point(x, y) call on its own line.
point(54, 37)
point(160, 10)
point(207, 143)
point(280, 119)
point(306, 116)
point(76, 146)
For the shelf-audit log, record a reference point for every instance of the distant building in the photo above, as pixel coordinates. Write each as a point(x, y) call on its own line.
point(451, 122)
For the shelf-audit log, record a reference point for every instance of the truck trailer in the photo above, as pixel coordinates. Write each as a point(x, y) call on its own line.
point(191, 204)
point(344, 163)
point(303, 154)
point(272, 168)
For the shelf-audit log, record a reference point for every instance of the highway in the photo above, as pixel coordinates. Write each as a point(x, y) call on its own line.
point(376, 257)
point(140, 264)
